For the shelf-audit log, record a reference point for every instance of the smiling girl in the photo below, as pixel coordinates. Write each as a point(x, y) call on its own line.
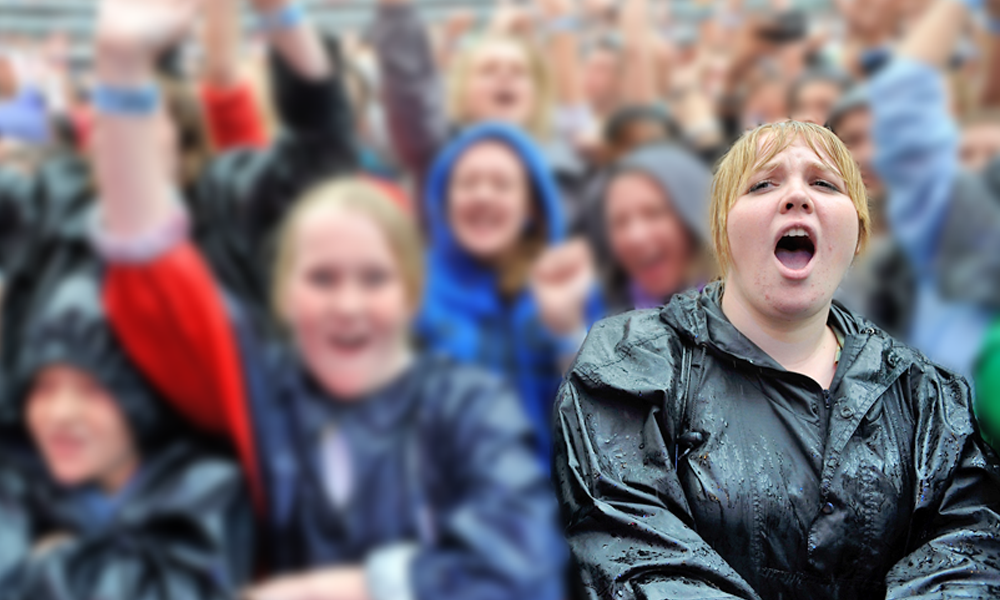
point(757, 440)
point(378, 473)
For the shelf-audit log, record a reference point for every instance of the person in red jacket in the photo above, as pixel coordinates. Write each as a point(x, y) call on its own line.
point(378, 473)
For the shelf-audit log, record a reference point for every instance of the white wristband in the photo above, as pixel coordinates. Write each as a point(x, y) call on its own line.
point(142, 248)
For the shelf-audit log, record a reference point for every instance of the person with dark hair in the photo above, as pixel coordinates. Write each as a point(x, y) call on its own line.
point(632, 127)
point(108, 495)
point(653, 227)
point(812, 97)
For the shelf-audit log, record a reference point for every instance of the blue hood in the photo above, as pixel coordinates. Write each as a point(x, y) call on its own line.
point(546, 192)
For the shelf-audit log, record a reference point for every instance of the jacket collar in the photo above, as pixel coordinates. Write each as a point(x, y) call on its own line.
point(871, 361)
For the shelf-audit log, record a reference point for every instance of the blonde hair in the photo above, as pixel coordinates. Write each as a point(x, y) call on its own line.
point(358, 196)
point(539, 124)
point(757, 148)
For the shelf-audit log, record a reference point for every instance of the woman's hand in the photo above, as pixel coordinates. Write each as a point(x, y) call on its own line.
point(332, 584)
point(136, 30)
point(562, 281)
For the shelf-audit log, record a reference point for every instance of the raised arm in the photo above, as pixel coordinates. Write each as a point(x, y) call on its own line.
point(232, 113)
point(413, 96)
point(639, 62)
point(915, 136)
point(161, 298)
point(991, 85)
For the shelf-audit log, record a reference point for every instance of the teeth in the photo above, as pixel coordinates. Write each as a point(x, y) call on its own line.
point(796, 232)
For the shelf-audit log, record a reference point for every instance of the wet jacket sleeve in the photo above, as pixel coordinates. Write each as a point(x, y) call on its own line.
point(413, 95)
point(625, 514)
point(15, 540)
point(233, 117)
point(173, 322)
point(954, 546)
point(194, 545)
point(497, 537)
point(17, 215)
point(243, 196)
point(917, 154)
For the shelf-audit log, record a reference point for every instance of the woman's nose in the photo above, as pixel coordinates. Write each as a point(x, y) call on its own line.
point(797, 199)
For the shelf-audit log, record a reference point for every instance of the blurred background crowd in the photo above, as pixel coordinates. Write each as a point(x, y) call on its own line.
point(555, 157)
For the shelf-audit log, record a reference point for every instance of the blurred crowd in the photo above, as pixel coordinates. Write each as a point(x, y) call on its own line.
point(377, 252)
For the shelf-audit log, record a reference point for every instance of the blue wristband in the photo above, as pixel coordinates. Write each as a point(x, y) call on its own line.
point(563, 24)
point(287, 17)
point(140, 101)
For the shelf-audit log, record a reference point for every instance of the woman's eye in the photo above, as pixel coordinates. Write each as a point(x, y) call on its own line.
point(321, 278)
point(373, 278)
point(760, 186)
point(827, 184)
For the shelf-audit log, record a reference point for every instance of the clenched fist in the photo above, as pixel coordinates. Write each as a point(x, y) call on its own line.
point(562, 281)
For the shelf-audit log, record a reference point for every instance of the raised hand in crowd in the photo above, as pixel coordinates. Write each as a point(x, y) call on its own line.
point(563, 281)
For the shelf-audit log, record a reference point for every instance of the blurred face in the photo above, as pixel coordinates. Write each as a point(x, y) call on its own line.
point(814, 102)
point(600, 80)
point(980, 143)
point(793, 235)
point(766, 104)
point(489, 201)
point(500, 86)
point(646, 236)
point(80, 430)
point(346, 301)
point(854, 130)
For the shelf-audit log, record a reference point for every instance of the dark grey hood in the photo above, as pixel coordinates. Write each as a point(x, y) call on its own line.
point(681, 175)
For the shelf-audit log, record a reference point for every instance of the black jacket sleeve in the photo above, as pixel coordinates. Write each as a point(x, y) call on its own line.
point(185, 537)
point(15, 534)
point(954, 546)
point(242, 197)
point(625, 514)
point(17, 215)
point(497, 535)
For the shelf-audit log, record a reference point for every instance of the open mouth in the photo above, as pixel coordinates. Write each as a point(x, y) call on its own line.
point(349, 344)
point(795, 249)
point(505, 99)
point(483, 220)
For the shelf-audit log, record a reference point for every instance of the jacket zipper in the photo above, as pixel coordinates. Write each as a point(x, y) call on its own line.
point(826, 398)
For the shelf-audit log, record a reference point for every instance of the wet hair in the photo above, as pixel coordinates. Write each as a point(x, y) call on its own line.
point(539, 123)
point(363, 197)
point(758, 147)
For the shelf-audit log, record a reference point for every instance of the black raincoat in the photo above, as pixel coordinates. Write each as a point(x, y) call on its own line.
point(691, 465)
point(181, 528)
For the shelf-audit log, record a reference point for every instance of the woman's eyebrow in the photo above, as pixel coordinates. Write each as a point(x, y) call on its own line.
point(825, 169)
point(766, 169)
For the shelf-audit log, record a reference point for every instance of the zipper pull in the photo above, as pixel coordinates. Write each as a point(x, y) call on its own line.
point(826, 398)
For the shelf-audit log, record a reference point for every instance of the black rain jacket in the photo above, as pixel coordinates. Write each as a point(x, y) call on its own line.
point(183, 532)
point(691, 465)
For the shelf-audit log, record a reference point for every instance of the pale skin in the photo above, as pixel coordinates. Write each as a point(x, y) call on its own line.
point(136, 191)
point(784, 311)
